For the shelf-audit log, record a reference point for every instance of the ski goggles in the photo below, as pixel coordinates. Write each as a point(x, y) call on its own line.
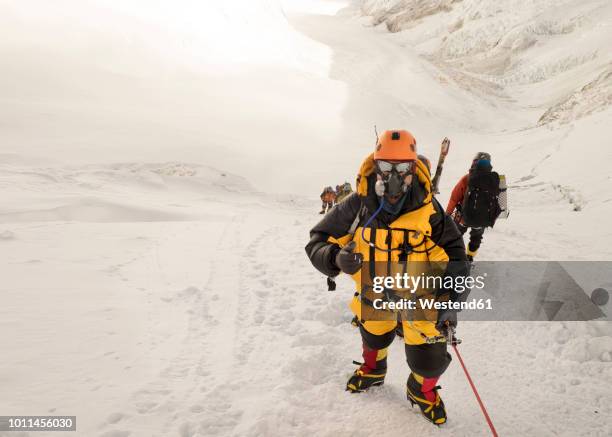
point(386, 167)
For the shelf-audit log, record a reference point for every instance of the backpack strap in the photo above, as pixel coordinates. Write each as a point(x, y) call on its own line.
point(355, 223)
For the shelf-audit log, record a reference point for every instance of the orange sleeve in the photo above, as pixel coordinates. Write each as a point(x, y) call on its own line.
point(457, 194)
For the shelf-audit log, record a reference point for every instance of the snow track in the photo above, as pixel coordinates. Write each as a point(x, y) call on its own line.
point(194, 391)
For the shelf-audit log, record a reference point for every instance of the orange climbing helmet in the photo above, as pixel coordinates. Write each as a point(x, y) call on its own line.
point(396, 145)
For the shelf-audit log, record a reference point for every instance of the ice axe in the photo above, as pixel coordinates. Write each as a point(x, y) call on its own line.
point(444, 147)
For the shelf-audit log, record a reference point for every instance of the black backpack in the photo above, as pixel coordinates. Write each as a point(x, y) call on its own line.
point(480, 206)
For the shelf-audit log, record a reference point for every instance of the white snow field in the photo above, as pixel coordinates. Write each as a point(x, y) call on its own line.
point(160, 166)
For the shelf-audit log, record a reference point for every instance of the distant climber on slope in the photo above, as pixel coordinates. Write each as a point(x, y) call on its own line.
point(474, 201)
point(394, 191)
point(342, 191)
point(328, 197)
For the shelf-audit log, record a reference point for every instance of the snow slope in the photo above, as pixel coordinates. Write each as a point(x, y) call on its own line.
point(208, 320)
point(543, 69)
point(153, 275)
point(546, 60)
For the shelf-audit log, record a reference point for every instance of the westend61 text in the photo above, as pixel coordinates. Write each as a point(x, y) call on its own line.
point(432, 304)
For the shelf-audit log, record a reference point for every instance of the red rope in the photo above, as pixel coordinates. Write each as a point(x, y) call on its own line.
point(482, 407)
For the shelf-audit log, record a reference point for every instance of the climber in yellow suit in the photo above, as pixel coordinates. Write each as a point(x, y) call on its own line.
point(393, 218)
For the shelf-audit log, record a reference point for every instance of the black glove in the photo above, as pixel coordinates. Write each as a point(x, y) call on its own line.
point(446, 319)
point(347, 261)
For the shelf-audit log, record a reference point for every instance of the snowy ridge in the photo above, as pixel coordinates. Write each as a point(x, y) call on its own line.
point(100, 176)
point(594, 96)
point(124, 192)
point(509, 43)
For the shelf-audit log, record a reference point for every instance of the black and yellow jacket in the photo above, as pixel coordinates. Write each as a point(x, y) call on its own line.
point(422, 231)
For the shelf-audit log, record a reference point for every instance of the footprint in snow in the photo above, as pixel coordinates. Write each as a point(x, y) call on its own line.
point(7, 235)
point(197, 408)
point(114, 418)
point(267, 283)
point(145, 407)
point(202, 371)
point(262, 293)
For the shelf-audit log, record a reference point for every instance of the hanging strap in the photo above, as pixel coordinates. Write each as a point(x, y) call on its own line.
point(355, 223)
point(331, 282)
